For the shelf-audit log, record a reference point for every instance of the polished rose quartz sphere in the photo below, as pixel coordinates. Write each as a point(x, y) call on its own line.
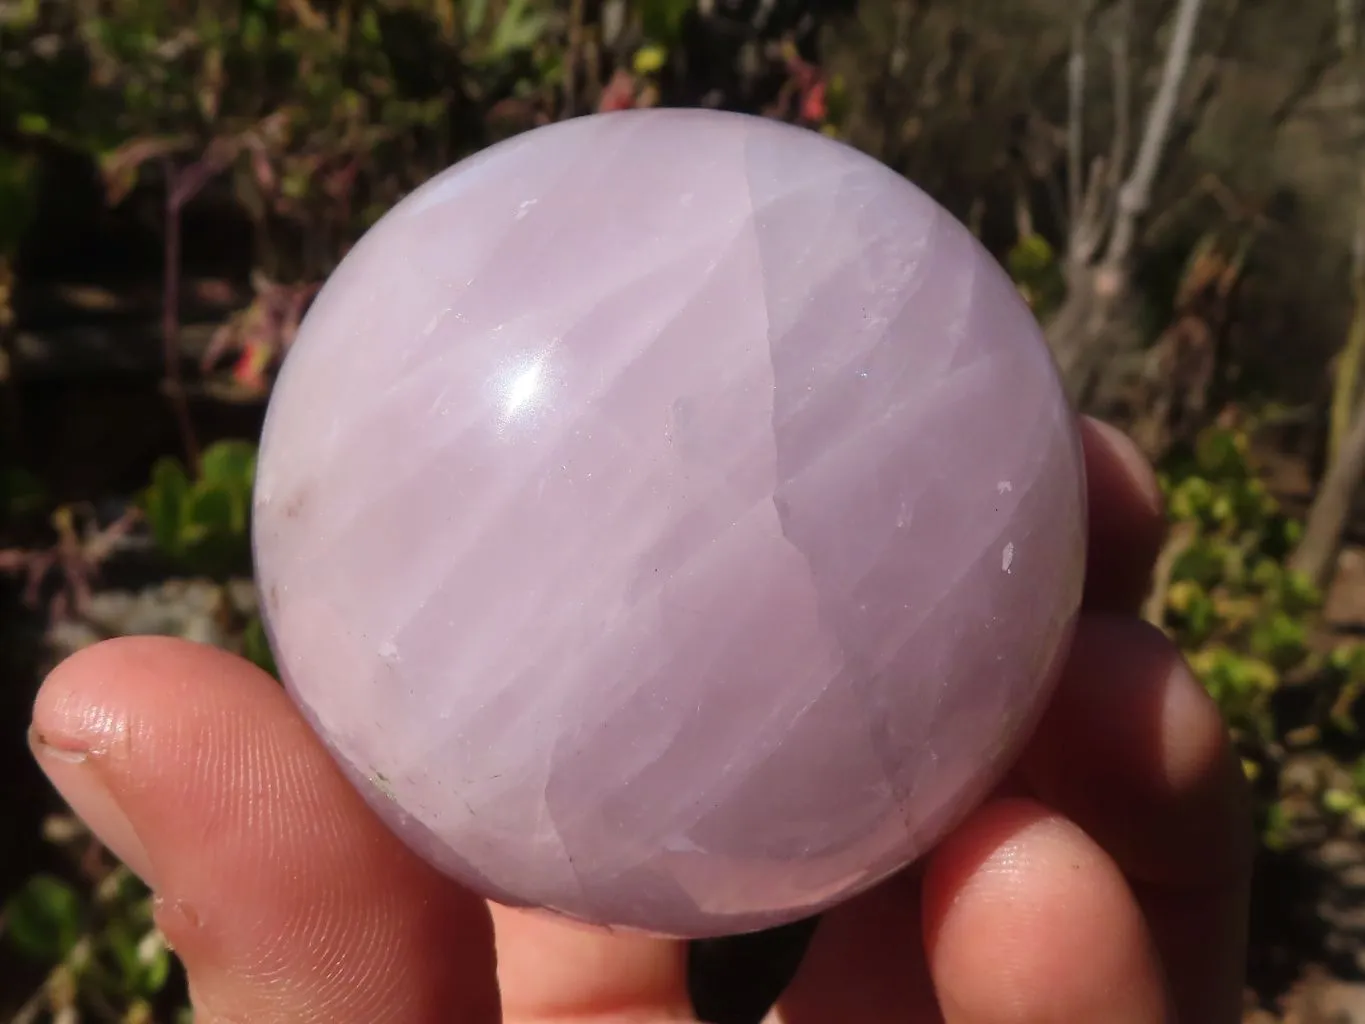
point(671, 519)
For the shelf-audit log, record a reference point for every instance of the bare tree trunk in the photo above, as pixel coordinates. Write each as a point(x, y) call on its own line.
point(1087, 335)
point(1346, 385)
point(1316, 555)
point(1324, 533)
point(1136, 194)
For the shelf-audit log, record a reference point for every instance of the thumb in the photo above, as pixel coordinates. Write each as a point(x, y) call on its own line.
point(283, 894)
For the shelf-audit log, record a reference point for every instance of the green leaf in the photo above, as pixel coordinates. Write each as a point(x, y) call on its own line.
point(1275, 827)
point(231, 465)
point(21, 16)
point(649, 59)
point(256, 646)
point(43, 919)
point(296, 185)
point(254, 31)
point(370, 31)
point(21, 493)
point(663, 19)
point(164, 505)
point(1338, 801)
point(517, 29)
point(18, 198)
point(1190, 498)
point(33, 124)
point(1280, 640)
point(475, 14)
point(156, 963)
point(120, 942)
point(229, 462)
point(1221, 454)
point(1300, 594)
point(211, 514)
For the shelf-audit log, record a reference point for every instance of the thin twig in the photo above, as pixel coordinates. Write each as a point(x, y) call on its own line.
point(1310, 79)
point(1209, 186)
point(1120, 47)
point(1136, 193)
point(1075, 124)
point(170, 319)
point(573, 57)
point(1085, 242)
point(1318, 548)
point(1348, 15)
point(1179, 541)
point(33, 1007)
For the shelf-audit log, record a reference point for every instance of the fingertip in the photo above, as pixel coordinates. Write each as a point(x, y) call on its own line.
point(280, 890)
point(1127, 518)
point(97, 699)
point(93, 737)
point(1120, 464)
point(1135, 748)
point(1015, 902)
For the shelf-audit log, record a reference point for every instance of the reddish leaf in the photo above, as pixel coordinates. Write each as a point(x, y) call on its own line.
point(340, 182)
point(619, 92)
point(251, 367)
point(222, 342)
point(814, 107)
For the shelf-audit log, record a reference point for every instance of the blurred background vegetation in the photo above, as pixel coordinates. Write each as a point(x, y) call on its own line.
point(1177, 186)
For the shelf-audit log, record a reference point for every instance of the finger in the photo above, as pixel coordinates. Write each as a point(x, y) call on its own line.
point(555, 970)
point(285, 897)
point(1018, 917)
point(866, 963)
point(1135, 751)
point(1127, 522)
point(1027, 919)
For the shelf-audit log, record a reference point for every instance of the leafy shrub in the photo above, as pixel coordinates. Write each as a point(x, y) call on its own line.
point(204, 523)
point(1251, 630)
point(98, 944)
point(1228, 599)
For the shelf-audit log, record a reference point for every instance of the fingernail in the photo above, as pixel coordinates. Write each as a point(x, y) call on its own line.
point(76, 775)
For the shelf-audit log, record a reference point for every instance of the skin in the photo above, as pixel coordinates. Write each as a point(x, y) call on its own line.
point(1106, 881)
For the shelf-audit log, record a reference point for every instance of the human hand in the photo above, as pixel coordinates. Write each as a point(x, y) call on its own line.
point(1106, 883)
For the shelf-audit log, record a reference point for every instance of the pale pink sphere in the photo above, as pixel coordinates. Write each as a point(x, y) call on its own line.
point(671, 519)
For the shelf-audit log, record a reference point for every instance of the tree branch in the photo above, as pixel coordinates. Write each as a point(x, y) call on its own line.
point(1205, 85)
point(1089, 233)
point(1179, 541)
point(1075, 122)
point(1136, 193)
point(1120, 46)
point(1314, 71)
point(1316, 555)
point(1348, 16)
